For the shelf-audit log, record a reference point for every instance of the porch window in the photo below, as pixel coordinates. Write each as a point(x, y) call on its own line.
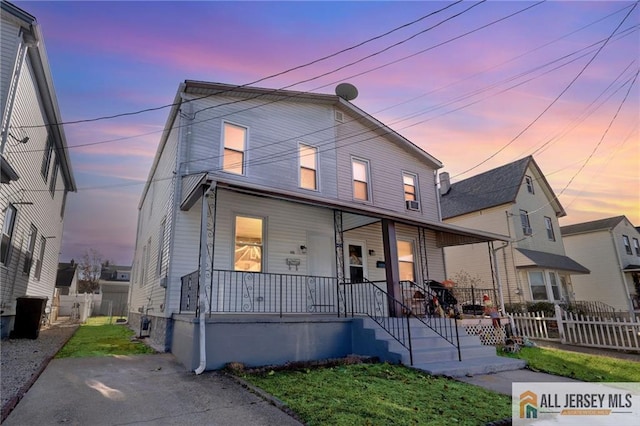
point(549, 225)
point(555, 289)
point(360, 179)
point(31, 246)
point(7, 233)
point(627, 245)
point(308, 156)
point(538, 287)
point(636, 246)
point(40, 261)
point(529, 183)
point(248, 244)
point(234, 148)
point(524, 220)
point(405, 260)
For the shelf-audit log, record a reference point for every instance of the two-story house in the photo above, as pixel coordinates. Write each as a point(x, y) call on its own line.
point(114, 290)
point(610, 248)
point(278, 214)
point(515, 200)
point(36, 171)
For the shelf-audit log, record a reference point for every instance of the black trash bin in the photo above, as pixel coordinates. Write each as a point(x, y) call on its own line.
point(29, 311)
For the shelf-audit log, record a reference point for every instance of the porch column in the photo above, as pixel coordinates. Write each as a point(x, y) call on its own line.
point(337, 224)
point(392, 270)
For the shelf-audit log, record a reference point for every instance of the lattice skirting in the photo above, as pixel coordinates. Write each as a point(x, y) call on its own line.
point(488, 333)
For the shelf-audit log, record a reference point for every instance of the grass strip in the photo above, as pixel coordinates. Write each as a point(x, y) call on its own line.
point(588, 368)
point(381, 394)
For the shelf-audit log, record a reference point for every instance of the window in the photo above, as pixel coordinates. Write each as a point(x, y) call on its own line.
point(40, 261)
point(54, 178)
point(410, 188)
point(549, 225)
point(538, 287)
point(161, 247)
point(31, 246)
point(248, 244)
point(636, 246)
point(529, 182)
point(234, 147)
point(360, 179)
point(308, 156)
point(555, 289)
point(627, 245)
point(405, 261)
point(46, 158)
point(64, 203)
point(524, 220)
point(7, 233)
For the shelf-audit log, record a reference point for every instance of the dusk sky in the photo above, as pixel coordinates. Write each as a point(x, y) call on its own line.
point(557, 81)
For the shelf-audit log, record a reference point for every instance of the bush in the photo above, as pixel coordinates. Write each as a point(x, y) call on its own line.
point(547, 307)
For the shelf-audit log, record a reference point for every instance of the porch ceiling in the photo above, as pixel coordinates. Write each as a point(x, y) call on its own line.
point(447, 235)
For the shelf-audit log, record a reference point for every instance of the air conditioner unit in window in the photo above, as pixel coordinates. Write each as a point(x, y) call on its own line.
point(413, 205)
point(528, 231)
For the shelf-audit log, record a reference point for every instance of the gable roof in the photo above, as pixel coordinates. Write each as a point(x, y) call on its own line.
point(66, 272)
point(493, 188)
point(594, 225)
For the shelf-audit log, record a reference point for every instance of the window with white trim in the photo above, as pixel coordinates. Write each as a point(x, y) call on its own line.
point(410, 185)
point(54, 178)
point(235, 141)
point(7, 233)
point(40, 261)
point(249, 244)
point(308, 159)
point(537, 285)
point(524, 220)
point(529, 183)
point(636, 246)
point(161, 247)
point(555, 288)
point(46, 158)
point(406, 261)
point(548, 223)
point(31, 246)
point(361, 176)
point(627, 244)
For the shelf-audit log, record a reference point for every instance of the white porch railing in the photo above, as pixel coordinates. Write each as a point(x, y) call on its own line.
point(573, 329)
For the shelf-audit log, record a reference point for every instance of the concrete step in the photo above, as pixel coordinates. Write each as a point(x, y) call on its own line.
point(471, 367)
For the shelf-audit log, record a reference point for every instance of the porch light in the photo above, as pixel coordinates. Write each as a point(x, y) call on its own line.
point(303, 249)
point(372, 252)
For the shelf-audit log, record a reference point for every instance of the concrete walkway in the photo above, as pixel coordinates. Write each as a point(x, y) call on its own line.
point(501, 382)
point(139, 390)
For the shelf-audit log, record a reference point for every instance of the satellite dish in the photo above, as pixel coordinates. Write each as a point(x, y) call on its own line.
point(347, 91)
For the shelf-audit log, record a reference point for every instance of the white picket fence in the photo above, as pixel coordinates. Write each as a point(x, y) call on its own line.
point(580, 330)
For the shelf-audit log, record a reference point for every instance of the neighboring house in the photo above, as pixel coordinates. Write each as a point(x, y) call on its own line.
point(610, 248)
point(36, 171)
point(288, 209)
point(515, 200)
point(114, 290)
point(67, 278)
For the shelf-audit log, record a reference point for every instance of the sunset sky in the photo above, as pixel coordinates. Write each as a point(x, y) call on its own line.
point(473, 86)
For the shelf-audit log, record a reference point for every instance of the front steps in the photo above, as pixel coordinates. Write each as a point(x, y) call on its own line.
point(431, 352)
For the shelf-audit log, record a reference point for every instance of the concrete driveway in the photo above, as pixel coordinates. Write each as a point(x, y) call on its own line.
point(139, 390)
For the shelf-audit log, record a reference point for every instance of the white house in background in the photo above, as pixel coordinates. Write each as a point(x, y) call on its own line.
point(610, 248)
point(36, 171)
point(515, 200)
point(114, 290)
point(289, 208)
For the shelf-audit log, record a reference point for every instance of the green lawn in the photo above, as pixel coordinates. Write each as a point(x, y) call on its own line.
point(99, 338)
point(588, 368)
point(381, 394)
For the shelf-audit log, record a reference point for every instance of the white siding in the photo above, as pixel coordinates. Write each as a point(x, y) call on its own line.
point(9, 41)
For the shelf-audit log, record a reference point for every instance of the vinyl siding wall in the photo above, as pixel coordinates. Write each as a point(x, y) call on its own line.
point(31, 187)
point(9, 42)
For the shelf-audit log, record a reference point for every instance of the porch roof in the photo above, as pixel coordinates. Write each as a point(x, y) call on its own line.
point(632, 268)
point(446, 234)
point(552, 261)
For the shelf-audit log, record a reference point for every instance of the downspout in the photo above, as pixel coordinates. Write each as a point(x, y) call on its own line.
point(499, 282)
point(632, 313)
point(202, 295)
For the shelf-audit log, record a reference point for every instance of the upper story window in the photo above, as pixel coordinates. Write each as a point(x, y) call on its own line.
point(410, 185)
point(627, 245)
point(636, 246)
point(235, 144)
point(549, 225)
point(524, 220)
point(249, 240)
point(46, 158)
point(529, 183)
point(361, 177)
point(31, 246)
point(54, 178)
point(308, 159)
point(7, 233)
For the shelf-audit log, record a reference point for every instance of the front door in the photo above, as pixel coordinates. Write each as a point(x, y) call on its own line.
point(355, 261)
